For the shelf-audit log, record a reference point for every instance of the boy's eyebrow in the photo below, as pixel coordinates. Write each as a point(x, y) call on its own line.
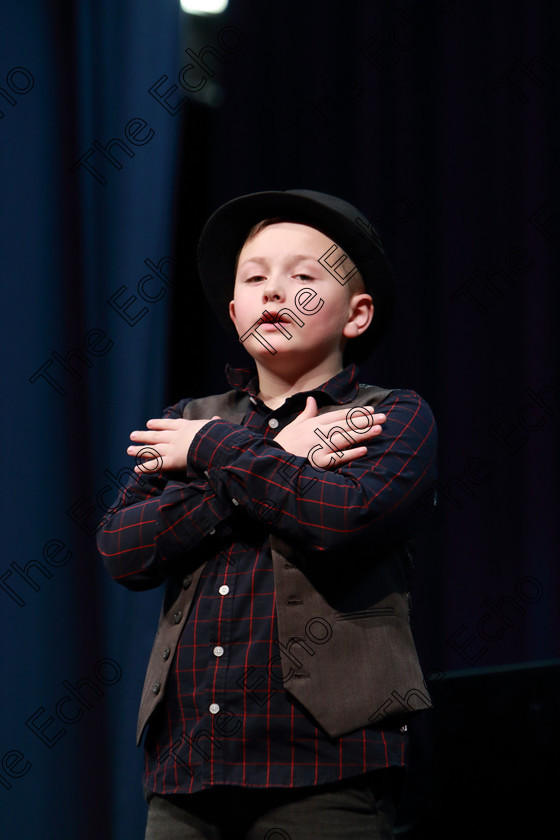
point(294, 259)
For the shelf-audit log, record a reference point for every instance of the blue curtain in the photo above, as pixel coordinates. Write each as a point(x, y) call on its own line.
point(88, 160)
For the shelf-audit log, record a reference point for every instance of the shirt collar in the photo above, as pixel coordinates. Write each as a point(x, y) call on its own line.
point(341, 388)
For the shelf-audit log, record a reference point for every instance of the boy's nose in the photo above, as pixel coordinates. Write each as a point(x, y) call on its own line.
point(273, 290)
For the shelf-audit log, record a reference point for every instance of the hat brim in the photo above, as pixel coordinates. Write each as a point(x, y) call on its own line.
point(226, 230)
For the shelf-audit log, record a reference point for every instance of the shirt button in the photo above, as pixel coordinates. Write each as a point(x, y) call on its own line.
point(273, 423)
point(218, 651)
point(223, 590)
point(235, 502)
point(156, 687)
point(213, 708)
point(212, 531)
point(177, 616)
point(166, 653)
point(187, 581)
point(206, 473)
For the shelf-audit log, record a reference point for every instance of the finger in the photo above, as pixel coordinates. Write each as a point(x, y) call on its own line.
point(365, 434)
point(144, 451)
point(154, 460)
point(335, 441)
point(310, 409)
point(149, 467)
point(359, 420)
point(351, 455)
point(145, 437)
point(360, 423)
point(327, 459)
point(164, 423)
point(330, 460)
point(354, 421)
point(311, 404)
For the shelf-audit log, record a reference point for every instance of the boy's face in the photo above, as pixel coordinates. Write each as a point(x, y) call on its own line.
point(273, 268)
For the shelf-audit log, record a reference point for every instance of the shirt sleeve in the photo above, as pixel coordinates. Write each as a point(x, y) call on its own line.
point(157, 523)
point(379, 496)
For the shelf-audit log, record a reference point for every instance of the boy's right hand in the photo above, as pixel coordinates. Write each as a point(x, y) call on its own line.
point(301, 438)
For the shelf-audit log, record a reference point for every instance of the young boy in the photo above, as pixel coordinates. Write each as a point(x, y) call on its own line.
point(279, 516)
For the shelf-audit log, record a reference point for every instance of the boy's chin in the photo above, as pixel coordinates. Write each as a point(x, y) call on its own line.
point(286, 358)
point(280, 358)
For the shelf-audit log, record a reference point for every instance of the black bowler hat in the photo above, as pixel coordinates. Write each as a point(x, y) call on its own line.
point(226, 230)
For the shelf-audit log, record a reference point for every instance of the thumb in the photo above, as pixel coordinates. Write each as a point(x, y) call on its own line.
point(310, 409)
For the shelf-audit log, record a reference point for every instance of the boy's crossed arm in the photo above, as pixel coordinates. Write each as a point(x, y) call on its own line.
point(158, 519)
point(378, 492)
point(166, 444)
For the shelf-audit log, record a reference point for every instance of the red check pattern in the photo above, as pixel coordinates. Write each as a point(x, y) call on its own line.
point(226, 718)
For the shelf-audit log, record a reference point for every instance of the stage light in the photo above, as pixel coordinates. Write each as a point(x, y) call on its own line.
point(204, 7)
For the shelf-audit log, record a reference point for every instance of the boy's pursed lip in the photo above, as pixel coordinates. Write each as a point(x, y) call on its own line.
point(271, 317)
point(273, 326)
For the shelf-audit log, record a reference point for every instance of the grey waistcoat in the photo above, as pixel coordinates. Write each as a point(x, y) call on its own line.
point(344, 637)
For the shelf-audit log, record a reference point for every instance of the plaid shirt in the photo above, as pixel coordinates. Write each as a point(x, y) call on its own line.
point(225, 717)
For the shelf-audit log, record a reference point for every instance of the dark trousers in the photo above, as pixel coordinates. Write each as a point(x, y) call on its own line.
point(354, 809)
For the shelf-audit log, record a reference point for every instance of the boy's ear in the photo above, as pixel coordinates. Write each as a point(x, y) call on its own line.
point(360, 317)
point(232, 311)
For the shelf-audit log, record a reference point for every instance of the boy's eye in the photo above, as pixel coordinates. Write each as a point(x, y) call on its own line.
point(256, 277)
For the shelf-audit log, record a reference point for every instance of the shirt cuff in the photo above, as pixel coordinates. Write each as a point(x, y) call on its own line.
point(217, 444)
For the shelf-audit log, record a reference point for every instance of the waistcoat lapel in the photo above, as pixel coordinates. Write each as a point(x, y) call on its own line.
point(231, 406)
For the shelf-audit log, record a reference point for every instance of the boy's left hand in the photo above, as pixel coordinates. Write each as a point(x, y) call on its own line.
point(166, 445)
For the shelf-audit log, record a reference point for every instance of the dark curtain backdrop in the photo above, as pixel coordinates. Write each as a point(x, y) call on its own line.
point(439, 120)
